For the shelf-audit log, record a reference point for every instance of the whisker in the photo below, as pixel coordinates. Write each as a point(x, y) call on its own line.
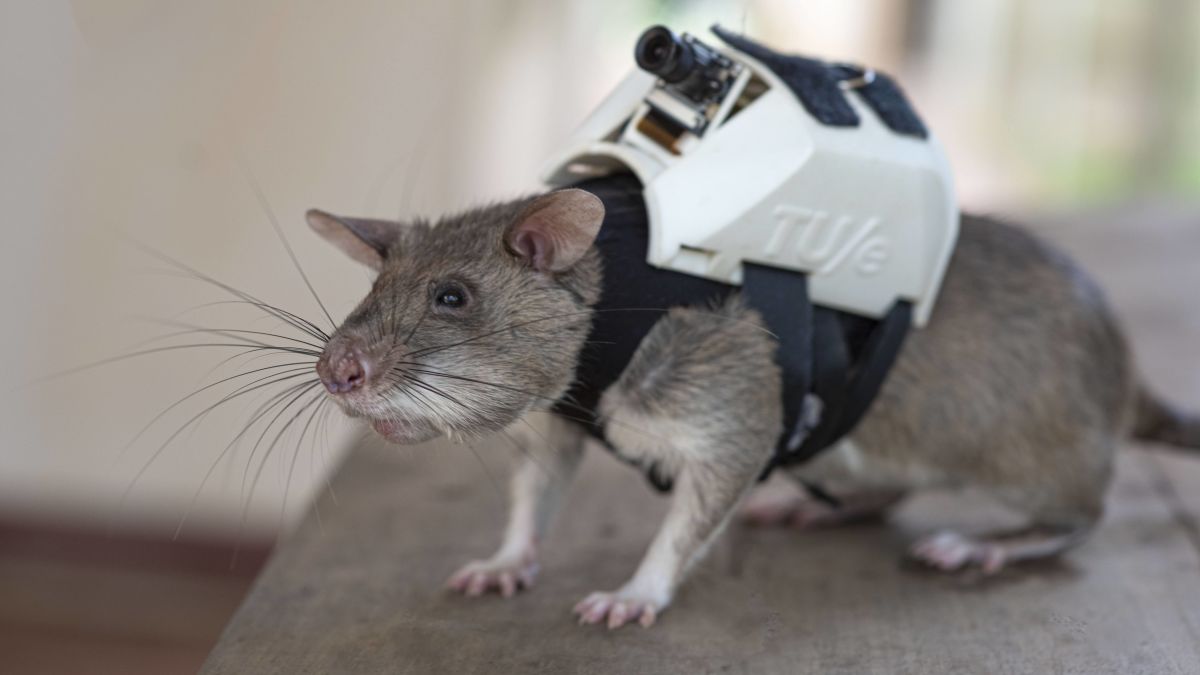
point(299, 322)
point(308, 386)
point(526, 452)
point(305, 327)
point(227, 360)
point(320, 415)
point(321, 401)
point(324, 453)
point(272, 402)
point(425, 371)
point(305, 387)
point(157, 350)
point(158, 452)
point(486, 470)
point(316, 399)
point(417, 325)
point(438, 348)
point(420, 399)
point(235, 333)
point(428, 387)
point(217, 303)
point(587, 313)
point(435, 390)
point(371, 199)
point(432, 389)
point(595, 422)
point(270, 213)
point(201, 390)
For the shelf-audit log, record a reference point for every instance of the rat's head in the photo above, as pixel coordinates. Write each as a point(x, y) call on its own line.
point(471, 322)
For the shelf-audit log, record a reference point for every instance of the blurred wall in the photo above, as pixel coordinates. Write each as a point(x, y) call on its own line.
point(130, 123)
point(126, 119)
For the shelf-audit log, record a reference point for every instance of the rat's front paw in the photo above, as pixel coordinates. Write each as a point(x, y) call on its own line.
point(506, 574)
point(619, 608)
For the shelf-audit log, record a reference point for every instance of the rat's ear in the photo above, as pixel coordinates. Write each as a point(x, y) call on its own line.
point(366, 241)
point(556, 230)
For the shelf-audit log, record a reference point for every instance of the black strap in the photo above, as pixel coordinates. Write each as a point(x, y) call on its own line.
point(848, 401)
point(781, 297)
point(832, 361)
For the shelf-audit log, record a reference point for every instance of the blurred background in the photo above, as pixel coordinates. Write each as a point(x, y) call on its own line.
point(155, 121)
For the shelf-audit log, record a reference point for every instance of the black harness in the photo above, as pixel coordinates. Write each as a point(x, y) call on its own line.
point(833, 362)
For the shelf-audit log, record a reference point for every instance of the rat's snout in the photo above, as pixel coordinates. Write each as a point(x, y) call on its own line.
point(344, 366)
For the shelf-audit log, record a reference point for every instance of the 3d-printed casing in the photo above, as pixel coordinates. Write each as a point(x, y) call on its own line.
point(870, 215)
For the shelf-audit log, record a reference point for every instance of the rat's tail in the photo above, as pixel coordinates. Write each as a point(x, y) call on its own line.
point(1160, 422)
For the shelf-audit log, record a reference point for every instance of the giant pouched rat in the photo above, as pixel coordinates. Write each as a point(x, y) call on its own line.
point(1021, 385)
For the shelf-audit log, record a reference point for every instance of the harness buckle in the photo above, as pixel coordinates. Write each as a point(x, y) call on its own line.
point(863, 77)
point(810, 418)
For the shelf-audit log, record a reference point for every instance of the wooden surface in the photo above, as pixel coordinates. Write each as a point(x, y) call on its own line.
point(78, 598)
point(358, 591)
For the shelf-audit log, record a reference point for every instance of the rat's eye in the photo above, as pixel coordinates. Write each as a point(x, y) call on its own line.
point(451, 295)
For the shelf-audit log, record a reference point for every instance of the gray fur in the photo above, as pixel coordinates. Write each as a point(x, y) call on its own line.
point(681, 375)
point(1160, 422)
point(518, 339)
point(1021, 384)
point(715, 425)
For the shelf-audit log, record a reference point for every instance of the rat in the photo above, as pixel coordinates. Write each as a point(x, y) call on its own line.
point(1020, 385)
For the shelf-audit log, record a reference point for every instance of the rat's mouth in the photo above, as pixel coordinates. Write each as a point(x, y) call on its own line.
point(402, 429)
point(403, 432)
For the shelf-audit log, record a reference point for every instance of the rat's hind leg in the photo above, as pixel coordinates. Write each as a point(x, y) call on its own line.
point(950, 551)
point(1060, 516)
point(857, 487)
point(795, 507)
point(705, 387)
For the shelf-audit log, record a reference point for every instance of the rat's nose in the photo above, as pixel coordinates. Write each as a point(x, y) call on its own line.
point(342, 369)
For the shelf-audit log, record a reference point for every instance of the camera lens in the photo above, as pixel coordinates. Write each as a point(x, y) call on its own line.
point(662, 53)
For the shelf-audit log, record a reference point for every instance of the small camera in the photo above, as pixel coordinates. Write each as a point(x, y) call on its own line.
point(665, 54)
point(690, 71)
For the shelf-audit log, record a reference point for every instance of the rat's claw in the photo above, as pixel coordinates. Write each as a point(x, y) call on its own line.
point(591, 609)
point(526, 575)
point(505, 575)
point(477, 585)
point(617, 609)
point(508, 584)
point(951, 551)
point(616, 615)
point(993, 559)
